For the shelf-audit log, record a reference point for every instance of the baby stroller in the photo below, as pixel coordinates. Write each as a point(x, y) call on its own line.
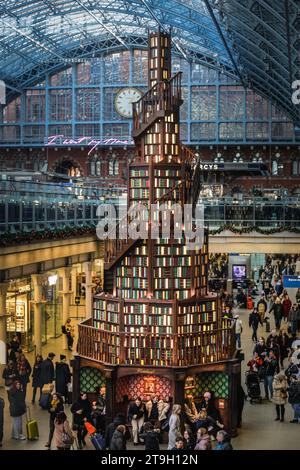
point(253, 386)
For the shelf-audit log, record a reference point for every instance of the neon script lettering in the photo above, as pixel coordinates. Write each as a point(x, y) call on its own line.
point(88, 141)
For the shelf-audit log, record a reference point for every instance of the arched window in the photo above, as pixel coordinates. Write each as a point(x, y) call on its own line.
point(95, 167)
point(296, 167)
point(113, 168)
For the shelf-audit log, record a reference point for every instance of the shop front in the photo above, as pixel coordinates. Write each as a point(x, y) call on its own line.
point(19, 313)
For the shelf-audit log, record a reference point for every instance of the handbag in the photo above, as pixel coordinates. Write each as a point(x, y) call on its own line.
point(67, 439)
point(283, 394)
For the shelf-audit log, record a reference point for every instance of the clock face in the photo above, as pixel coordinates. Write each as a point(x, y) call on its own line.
point(124, 100)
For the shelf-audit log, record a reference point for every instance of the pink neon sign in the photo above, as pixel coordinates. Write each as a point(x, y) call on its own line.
point(60, 139)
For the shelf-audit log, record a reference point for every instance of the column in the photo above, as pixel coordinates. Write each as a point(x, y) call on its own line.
point(110, 395)
point(73, 283)
point(37, 303)
point(3, 339)
point(88, 289)
point(64, 273)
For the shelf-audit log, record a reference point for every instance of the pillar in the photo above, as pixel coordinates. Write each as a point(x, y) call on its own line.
point(110, 395)
point(73, 283)
point(37, 303)
point(88, 289)
point(3, 339)
point(64, 273)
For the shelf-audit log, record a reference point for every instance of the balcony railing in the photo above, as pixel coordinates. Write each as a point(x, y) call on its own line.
point(150, 349)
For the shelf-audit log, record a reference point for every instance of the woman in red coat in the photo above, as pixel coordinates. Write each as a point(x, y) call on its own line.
point(287, 305)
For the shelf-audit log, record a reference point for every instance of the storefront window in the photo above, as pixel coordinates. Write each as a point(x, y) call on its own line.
point(19, 320)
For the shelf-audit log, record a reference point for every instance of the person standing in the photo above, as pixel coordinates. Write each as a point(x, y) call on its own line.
point(62, 377)
point(136, 416)
point(101, 404)
point(203, 439)
point(294, 398)
point(55, 406)
point(152, 410)
point(47, 370)
point(262, 307)
point(223, 441)
point(10, 375)
point(17, 408)
point(279, 395)
point(174, 426)
point(150, 436)
point(271, 367)
point(36, 377)
point(69, 333)
point(238, 329)
point(14, 347)
point(24, 371)
point(2, 405)
point(254, 321)
point(81, 410)
point(119, 419)
point(62, 431)
point(294, 317)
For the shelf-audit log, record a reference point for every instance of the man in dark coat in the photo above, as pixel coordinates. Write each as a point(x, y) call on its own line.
point(62, 377)
point(119, 419)
point(47, 370)
point(17, 409)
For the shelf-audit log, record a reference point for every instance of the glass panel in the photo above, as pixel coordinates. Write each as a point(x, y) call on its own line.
point(116, 67)
point(203, 131)
point(140, 66)
point(231, 131)
point(257, 107)
point(83, 73)
point(13, 212)
point(282, 130)
point(185, 105)
point(231, 102)
point(11, 134)
point(11, 112)
point(109, 111)
point(181, 65)
point(183, 131)
point(257, 131)
point(60, 105)
point(35, 105)
point(62, 129)
point(34, 133)
point(202, 74)
point(87, 104)
point(204, 103)
point(62, 78)
point(116, 130)
point(88, 130)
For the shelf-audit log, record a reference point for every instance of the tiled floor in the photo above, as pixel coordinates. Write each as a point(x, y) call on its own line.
point(259, 430)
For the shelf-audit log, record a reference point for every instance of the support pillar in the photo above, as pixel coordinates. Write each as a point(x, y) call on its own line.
point(88, 289)
point(64, 273)
point(110, 395)
point(37, 311)
point(179, 383)
point(73, 284)
point(3, 338)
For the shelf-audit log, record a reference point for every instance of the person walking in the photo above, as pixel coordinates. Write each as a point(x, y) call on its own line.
point(294, 397)
point(14, 347)
point(63, 437)
point(254, 321)
point(262, 307)
point(271, 367)
point(277, 310)
point(17, 408)
point(24, 371)
point(174, 426)
point(55, 406)
point(294, 317)
point(279, 395)
point(47, 370)
point(62, 377)
point(36, 377)
point(286, 306)
point(238, 329)
point(136, 416)
point(2, 405)
point(81, 410)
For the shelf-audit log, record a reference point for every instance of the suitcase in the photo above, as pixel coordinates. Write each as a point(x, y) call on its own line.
point(32, 429)
point(98, 441)
point(44, 401)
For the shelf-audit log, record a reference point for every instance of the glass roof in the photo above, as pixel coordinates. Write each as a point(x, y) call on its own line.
point(256, 41)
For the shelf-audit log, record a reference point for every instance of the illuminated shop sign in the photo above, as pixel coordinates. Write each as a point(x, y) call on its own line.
point(87, 141)
point(26, 288)
point(209, 166)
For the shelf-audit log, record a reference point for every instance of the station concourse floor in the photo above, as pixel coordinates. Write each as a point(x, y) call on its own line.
point(259, 430)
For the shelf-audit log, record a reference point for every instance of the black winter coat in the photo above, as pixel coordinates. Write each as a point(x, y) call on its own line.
point(36, 375)
point(86, 408)
point(254, 320)
point(118, 441)
point(135, 410)
point(47, 371)
point(62, 377)
point(151, 440)
point(17, 406)
point(277, 309)
point(10, 375)
point(294, 393)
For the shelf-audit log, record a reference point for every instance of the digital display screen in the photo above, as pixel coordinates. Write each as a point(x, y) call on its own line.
point(239, 272)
